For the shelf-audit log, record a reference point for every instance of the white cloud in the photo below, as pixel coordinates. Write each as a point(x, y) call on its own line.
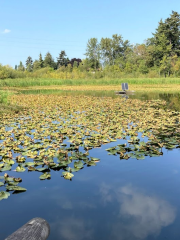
point(6, 31)
point(139, 215)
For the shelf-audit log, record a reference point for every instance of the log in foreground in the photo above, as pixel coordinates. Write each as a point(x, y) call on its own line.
point(35, 229)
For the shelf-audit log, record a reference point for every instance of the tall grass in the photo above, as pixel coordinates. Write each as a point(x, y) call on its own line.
point(28, 82)
point(5, 97)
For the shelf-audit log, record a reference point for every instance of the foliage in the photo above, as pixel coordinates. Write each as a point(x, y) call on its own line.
point(49, 120)
point(29, 64)
point(112, 57)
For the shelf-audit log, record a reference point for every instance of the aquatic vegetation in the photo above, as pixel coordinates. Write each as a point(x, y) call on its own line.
point(136, 85)
point(56, 133)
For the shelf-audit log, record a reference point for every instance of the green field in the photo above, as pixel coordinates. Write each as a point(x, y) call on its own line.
point(28, 82)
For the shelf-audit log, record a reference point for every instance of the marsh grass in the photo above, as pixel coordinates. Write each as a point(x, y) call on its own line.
point(5, 97)
point(5, 103)
point(28, 82)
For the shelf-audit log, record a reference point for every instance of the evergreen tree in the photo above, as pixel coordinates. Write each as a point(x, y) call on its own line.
point(49, 61)
point(169, 29)
point(62, 60)
point(36, 65)
point(29, 64)
point(41, 62)
point(21, 67)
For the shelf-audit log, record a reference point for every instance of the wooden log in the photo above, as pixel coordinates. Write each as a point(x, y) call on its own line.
point(35, 229)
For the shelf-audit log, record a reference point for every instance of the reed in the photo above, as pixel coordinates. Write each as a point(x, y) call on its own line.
point(28, 82)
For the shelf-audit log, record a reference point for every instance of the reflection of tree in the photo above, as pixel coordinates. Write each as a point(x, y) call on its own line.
point(139, 215)
point(173, 100)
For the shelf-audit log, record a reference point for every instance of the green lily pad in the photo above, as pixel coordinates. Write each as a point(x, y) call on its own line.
point(140, 157)
point(27, 164)
point(67, 175)
point(16, 188)
point(1, 184)
point(20, 169)
point(30, 168)
point(13, 183)
point(4, 195)
point(45, 176)
point(6, 167)
point(78, 164)
point(8, 161)
point(41, 169)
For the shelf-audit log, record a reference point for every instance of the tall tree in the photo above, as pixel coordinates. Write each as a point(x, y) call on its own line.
point(113, 48)
point(29, 64)
point(21, 67)
point(49, 61)
point(93, 53)
point(41, 62)
point(106, 51)
point(169, 30)
point(62, 60)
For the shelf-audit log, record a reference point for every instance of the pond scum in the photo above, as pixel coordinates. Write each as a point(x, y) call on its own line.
point(35, 139)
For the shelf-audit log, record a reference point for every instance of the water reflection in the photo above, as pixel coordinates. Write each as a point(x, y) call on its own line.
point(72, 228)
point(139, 215)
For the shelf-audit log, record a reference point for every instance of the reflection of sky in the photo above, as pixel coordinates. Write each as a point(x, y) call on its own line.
point(117, 199)
point(139, 215)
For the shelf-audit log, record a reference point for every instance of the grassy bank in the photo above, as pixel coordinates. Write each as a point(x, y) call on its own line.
point(5, 103)
point(28, 82)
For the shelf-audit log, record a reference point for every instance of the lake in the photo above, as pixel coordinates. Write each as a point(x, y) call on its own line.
point(111, 199)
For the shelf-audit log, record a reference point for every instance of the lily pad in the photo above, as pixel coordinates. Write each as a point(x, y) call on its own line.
point(4, 195)
point(1, 184)
point(67, 175)
point(16, 188)
point(20, 169)
point(41, 169)
point(6, 167)
point(45, 176)
point(78, 164)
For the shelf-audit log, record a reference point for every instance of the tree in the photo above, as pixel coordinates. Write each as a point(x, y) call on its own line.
point(166, 38)
point(21, 67)
point(112, 49)
point(41, 62)
point(106, 51)
point(93, 53)
point(36, 65)
point(62, 60)
point(77, 60)
point(29, 64)
point(16, 67)
point(49, 61)
point(165, 65)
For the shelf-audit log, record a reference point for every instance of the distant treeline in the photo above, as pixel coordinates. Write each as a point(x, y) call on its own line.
point(112, 58)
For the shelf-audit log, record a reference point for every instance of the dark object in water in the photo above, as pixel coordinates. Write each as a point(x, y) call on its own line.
point(124, 89)
point(35, 229)
point(124, 86)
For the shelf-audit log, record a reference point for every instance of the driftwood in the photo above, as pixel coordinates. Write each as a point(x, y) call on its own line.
point(35, 229)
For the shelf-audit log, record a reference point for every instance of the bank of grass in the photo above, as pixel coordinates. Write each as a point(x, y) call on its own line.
point(160, 88)
point(5, 103)
point(29, 82)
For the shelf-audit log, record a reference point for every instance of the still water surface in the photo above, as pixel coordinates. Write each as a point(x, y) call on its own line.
point(117, 199)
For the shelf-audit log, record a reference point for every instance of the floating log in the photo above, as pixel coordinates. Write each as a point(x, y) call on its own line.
point(35, 229)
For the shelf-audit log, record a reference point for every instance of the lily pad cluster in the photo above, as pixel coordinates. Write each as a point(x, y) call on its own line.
point(11, 184)
point(55, 132)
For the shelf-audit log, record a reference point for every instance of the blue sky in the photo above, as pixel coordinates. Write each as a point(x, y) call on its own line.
point(30, 27)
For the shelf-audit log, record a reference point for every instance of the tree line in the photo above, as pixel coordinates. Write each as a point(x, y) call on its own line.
point(157, 56)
